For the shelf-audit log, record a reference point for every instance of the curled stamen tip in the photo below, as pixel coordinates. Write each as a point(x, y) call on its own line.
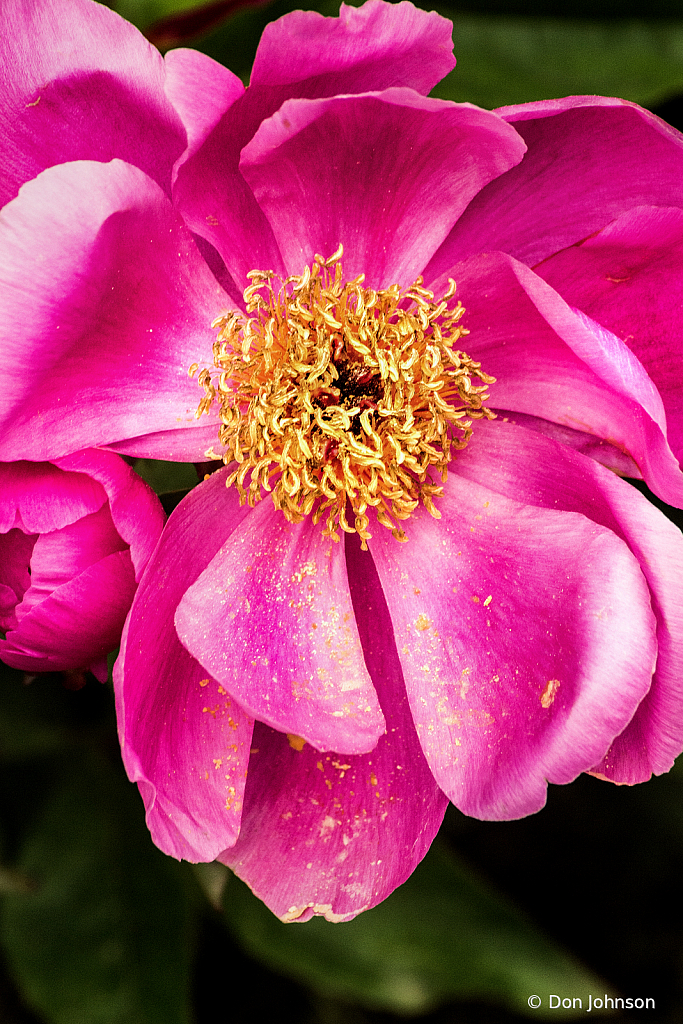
point(335, 257)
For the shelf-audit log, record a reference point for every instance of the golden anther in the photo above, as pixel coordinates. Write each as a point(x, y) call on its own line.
point(331, 394)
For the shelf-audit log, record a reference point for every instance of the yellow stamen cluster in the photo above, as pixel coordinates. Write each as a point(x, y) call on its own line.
point(345, 394)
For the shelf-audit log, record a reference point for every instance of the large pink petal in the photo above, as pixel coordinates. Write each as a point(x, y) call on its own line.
point(537, 471)
point(271, 618)
point(553, 362)
point(136, 511)
point(78, 624)
point(40, 497)
point(77, 82)
point(589, 159)
point(377, 46)
point(183, 740)
point(104, 304)
point(526, 640)
point(333, 835)
point(628, 277)
point(386, 174)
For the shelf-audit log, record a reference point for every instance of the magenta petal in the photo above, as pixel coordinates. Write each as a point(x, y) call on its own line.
point(303, 54)
point(539, 472)
point(333, 835)
point(589, 160)
point(553, 362)
point(628, 277)
point(136, 511)
point(386, 174)
point(526, 640)
point(183, 740)
point(64, 554)
point(40, 497)
point(201, 90)
point(104, 304)
point(375, 46)
point(77, 82)
point(78, 623)
point(68, 532)
point(15, 557)
point(271, 618)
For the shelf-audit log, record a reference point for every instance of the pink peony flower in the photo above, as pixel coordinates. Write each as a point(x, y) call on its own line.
point(530, 627)
point(75, 535)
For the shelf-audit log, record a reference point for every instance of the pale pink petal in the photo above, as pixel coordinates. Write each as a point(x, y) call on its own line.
point(104, 304)
point(377, 46)
point(77, 82)
point(387, 174)
point(553, 362)
point(334, 834)
point(526, 640)
point(537, 471)
point(183, 740)
point(271, 618)
point(78, 623)
point(590, 159)
point(628, 277)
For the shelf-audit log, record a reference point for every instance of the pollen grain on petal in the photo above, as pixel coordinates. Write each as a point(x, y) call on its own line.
point(342, 400)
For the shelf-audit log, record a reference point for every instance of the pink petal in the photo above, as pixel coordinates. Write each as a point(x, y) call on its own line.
point(589, 160)
point(537, 471)
point(333, 835)
point(628, 277)
point(588, 444)
point(60, 556)
point(374, 46)
point(526, 640)
point(553, 362)
point(201, 90)
point(183, 740)
point(77, 82)
point(186, 444)
point(15, 557)
point(38, 497)
point(105, 303)
point(78, 623)
point(136, 511)
point(377, 46)
point(271, 618)
point(387, 174)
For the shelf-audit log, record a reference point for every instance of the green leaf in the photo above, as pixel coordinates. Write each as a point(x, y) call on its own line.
point(504, 60)
point(165, 477)
point(103, 939)
point(444, 935)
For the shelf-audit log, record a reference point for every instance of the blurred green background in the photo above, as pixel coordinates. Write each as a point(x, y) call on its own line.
point(98, 927)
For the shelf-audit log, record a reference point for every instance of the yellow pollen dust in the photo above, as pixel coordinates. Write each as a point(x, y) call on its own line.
point(332, 395)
